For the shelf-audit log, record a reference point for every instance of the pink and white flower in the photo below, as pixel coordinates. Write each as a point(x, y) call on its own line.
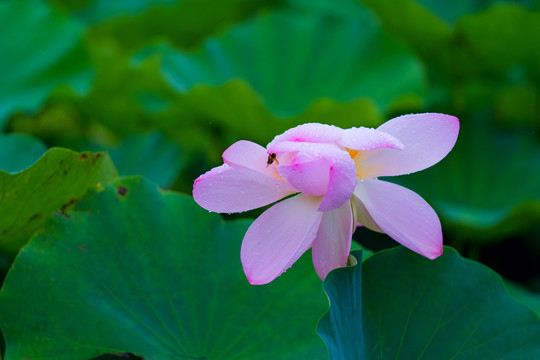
point(332, 173)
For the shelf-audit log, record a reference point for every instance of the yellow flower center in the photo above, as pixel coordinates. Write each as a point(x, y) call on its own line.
point(353, 154)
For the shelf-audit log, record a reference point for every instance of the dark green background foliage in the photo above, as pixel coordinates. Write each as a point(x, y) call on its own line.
point(92, 91)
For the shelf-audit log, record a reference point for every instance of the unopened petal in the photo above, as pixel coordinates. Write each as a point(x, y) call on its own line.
point(368, 139)
point(342, 180)
point(310, 177)
point(311, 132)
point(341, 173)
point(228, 189)
point(403, 215)
point(314, 149)
point(278, 237)
point(427, 139)
point(332, 244)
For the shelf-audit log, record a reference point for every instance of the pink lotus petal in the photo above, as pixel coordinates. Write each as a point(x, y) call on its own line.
point(249, 155)
point(427, 139)
point(310, 177)
point(368, 139)
point(342, 180)
point(314, 149)
point(228, 189)
point(278, 237)
point(311, 132)
point(403, 215)
point(332, 244)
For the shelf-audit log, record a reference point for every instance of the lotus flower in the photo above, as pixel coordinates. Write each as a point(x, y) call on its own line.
point(327, 178)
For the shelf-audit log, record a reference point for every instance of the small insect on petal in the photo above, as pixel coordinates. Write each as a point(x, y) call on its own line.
point(271, 160)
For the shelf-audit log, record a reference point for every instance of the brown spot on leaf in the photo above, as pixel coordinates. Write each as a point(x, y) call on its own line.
point(82, 247)
point(68, 204)
point(84, 156)
point(59, 211)
point(122, 191)
point(95, 158)
point(63, 208)
point(35, 217)
point(126, 356)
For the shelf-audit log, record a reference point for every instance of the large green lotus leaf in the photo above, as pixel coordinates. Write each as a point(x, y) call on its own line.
point(56, 181)
point(40, 50)
point(291, 58)
point(341, 328)
point(415, 308)
point(152, 155)
point(139, 270)
point(527, 297)
point(19, 151)
point(487, 187)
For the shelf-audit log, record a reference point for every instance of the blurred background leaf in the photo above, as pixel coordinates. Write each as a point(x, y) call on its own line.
point(452, 11)
point(40, 50)
point(151, 155)
point(291, 58)
point(19, 151)
point(482, 197)
point(185, 23)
